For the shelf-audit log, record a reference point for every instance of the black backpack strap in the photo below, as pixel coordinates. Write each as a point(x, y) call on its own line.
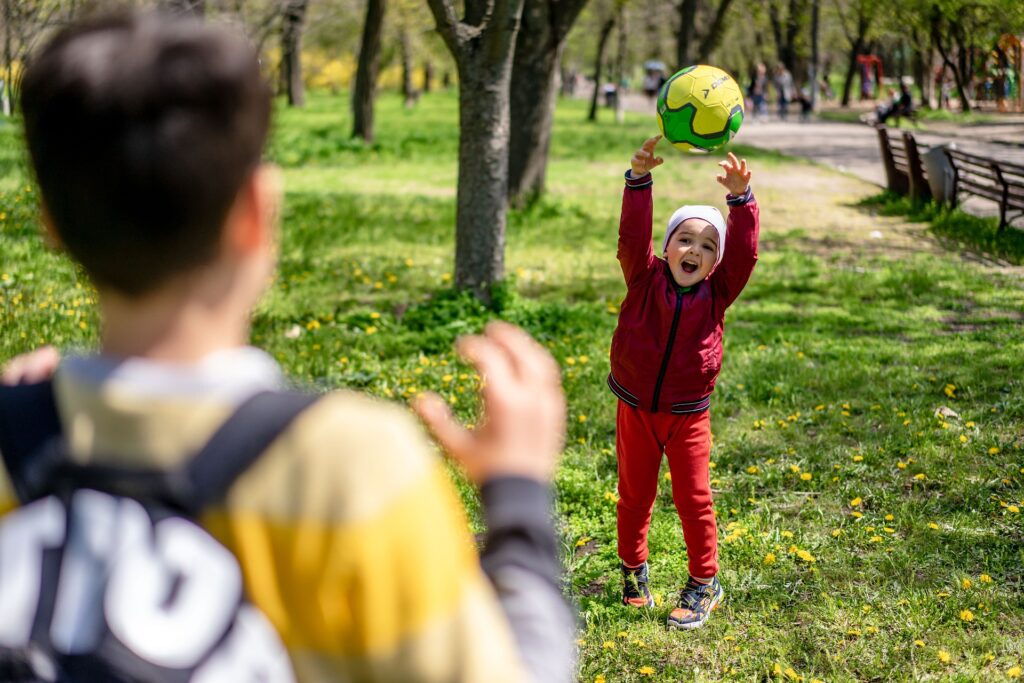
point(204, 480)
point(238, 444)
point(28, 420)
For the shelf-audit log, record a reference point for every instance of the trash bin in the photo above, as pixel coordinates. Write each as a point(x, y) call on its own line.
point(940, 173)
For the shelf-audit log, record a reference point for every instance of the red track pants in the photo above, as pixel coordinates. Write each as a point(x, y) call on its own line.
point(640, 439)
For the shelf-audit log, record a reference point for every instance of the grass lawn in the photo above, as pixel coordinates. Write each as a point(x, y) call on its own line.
point(869, 419)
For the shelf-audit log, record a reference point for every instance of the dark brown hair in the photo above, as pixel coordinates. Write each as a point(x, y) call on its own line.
point(142, 129)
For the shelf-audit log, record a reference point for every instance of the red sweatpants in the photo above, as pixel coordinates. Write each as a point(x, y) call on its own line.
point(640, 439)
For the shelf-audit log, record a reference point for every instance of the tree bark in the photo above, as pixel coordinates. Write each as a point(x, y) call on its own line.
point(8, 94)
point(851, 70)
point(482, 44)
point(684, 38)
point(291, 51)
point(533, 92)
point(408, 92)
point(428, 75)
point(713, 37)
point(602, 43)
point(961, 87)
point(365, 91)
point(815, 55)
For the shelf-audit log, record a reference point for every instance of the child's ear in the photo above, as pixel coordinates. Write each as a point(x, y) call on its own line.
point(252, 221)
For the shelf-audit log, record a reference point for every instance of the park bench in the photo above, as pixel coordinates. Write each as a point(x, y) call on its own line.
point(999, 181)
point(904, 172)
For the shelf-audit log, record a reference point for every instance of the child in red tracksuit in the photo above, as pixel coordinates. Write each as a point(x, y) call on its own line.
point(665, 358)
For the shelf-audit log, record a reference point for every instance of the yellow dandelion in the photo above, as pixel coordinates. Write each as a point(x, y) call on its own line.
point(920, 476)
point(858, 458)
point(805, 556)
point(599, 678)
point(1012, 508)
point(856, 502)
point(963, 438)
point(933, 525)
point(836, 532)
point(876, 539)
point(608, 645)
point(787, 534)
point(752, 469)
point(856, 515)
point(668, 476)
point(966, 583)
point(769, 558)
point(582, 418)
point(819, 407)
point(371, 329)
point(985, 578)
point(791, 674)
point(919, 643)
point(966, 615)
point(993, 451)
point(1013, 672)
point(944, 656)
point(806, 476)
point(646, 671)
point(889, 518)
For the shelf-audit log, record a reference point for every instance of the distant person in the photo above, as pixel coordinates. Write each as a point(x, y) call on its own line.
point(653, 81)
point(666, 354)
point(146, 134)
point(783, 89)
point(758, 91)
point(899, 105)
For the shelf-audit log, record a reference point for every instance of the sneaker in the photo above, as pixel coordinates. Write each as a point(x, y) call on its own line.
point(634, 590)
point(696, 602)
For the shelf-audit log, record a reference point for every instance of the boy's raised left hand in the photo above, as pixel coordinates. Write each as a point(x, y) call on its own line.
point(737, 176)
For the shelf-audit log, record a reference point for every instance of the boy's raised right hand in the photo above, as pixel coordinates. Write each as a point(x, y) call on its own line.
point(644, 160)
point(522, 428)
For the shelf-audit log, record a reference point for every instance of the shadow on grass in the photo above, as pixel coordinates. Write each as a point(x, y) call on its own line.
point(955, 229)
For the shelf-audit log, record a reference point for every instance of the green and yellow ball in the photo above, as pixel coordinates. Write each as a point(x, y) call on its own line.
point(700, 108)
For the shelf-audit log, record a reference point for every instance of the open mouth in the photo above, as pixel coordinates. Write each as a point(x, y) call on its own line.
point(688, 267)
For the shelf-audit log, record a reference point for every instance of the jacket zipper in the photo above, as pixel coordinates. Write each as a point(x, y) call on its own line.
point(668, 350)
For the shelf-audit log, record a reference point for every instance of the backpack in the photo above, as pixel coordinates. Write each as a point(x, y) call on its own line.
point(105, 574)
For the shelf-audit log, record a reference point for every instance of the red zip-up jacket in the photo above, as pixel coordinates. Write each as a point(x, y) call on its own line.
point(667, 348)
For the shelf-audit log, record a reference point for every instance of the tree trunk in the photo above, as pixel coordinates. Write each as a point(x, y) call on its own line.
point(965, 103)
point(291, 51)
point(684, 38)
point(428, 75)
point(365, 91)
point(851, 70)
point(408, 92)
point(483, 45)
point(8, 94)
point(813, 72)
point(602, 42)
point(715, 31)
point(533, 92)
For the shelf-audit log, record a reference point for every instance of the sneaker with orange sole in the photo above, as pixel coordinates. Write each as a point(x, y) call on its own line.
point(634, 587)
point(696, 603)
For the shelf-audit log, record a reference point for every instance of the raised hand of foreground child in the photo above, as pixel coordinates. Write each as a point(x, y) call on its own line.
point(29, 368)
point(644, 160)
point(737, 176)
point(522, 429)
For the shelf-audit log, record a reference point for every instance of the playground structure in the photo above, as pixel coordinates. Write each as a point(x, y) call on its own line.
point(871, 75)
point(1004, 68)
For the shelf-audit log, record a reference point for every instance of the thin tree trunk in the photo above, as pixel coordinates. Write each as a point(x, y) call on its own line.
point(365, 91)
point(713, 36)
point(965, 104)
point(533, 92)
point(602, 42)
point(291, 51)
point(8, 94)
point(684, 38)
point(815, 55)
point(428, 75)
point(851, 70)
point(408, 92)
